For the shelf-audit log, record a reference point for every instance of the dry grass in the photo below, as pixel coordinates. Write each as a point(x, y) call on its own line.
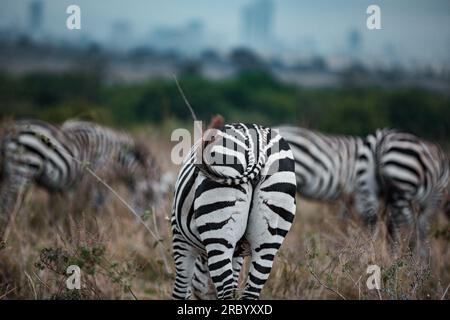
point(324, 256)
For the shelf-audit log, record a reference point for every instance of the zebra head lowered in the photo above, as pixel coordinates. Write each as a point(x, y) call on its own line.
point(147, 181)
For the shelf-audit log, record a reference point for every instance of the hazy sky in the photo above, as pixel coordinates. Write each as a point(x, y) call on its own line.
point(417, 29)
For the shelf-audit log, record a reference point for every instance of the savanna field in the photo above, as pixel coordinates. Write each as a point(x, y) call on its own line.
point(337, 111)
point(325, 256)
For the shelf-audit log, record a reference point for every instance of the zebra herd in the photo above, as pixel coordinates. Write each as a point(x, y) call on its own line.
point(235, 195)
point(411, 175)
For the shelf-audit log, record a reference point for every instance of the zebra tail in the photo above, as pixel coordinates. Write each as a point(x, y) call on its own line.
point(250, 172)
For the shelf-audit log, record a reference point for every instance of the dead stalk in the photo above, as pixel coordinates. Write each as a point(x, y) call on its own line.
point(3, 296)
point(445, 293)
point(324, 285)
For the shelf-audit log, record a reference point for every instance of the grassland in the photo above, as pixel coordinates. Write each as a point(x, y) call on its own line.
point(324, 257)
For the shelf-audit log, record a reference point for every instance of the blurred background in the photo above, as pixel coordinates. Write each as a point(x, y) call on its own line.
point(312, 63)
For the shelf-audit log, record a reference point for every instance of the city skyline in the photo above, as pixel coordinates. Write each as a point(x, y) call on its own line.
point(412, 30)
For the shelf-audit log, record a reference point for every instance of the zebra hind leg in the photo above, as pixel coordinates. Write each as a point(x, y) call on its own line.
point(220, 264)
point(221, 216)
point(422, 245)
point(184, 257)
point(221, 269)
point(367, 205)
point(400, 215)
point(423, 221)
point(238, 262)
point(12, 193)
point(202, 286)
point(270, 220)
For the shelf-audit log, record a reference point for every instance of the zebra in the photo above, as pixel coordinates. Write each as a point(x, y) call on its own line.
point(334, 168)
point(372, 169)
point(117, 156)
point(223, 211)
point(36, 152)
point(414, 175)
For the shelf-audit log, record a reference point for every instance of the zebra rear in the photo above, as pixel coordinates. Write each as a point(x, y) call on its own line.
point(413, 172)
point(225, 210)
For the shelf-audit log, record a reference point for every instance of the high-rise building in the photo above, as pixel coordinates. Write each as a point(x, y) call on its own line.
point(36, 16)
point(354, 42)
point(257, 23)
point(194, 35)
point(121, 35)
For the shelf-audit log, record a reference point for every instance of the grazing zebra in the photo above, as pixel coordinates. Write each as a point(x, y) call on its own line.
point(331, 168)
point(402, 168)
point(224, 210)
point(54, 158)
point(116, 156)
point(414, 174)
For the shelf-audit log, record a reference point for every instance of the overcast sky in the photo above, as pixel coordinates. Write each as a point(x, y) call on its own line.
point(417, 29)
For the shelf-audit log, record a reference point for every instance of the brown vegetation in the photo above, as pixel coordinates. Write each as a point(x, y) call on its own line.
point(323, 257)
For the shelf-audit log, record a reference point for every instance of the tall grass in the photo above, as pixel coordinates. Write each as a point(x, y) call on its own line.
point(323, 257)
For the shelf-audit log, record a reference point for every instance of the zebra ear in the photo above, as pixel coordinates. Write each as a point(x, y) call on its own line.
point(216, 122)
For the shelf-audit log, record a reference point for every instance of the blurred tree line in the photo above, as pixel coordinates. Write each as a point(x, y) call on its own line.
point(248, 97)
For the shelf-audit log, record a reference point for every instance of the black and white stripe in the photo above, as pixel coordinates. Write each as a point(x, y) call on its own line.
point(406, 171)
point(227, 209)
point(34, 151)
point(54, 158)
point(330, 168)
point(415, 176)
point(202, 285)
point(116, 156)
